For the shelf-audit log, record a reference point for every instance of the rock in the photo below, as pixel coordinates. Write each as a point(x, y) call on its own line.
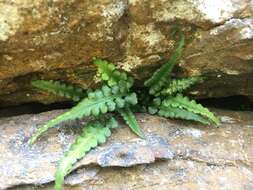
point(224, 54)
point(174, 155)
point(58, 40)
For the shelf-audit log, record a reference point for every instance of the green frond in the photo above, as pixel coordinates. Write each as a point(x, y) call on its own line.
point(156, 103)
point(152, 110)
point(179, 85)
point(179, 101)
point(160, 77)
point(93, 134)
point(98, 102)
point(109, 73)
point(130, 119)
point(60, 89)
point(173, 112)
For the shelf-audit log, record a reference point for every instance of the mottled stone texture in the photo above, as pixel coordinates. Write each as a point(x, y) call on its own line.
point(174, 155)
point(58, 40)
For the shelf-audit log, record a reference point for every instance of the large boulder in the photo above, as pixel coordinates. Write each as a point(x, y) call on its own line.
point(58, 40)
point(174, 155)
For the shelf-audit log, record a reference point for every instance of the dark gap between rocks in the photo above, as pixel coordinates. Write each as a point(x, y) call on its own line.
point(236, 103)
point(32, 108)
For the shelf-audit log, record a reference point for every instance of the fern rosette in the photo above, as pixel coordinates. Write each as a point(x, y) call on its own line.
point(164, 97)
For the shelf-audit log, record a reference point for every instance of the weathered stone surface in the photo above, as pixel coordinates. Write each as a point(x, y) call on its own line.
point(58, 39)
point(195, 156)
point(225, 54)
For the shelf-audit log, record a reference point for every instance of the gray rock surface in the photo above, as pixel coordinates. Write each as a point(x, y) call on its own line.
point(58, 39)
point(174, 155)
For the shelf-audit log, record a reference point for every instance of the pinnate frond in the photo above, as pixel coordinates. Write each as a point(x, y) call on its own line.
point(174, 112)
point(98, 102)
point(111, 75)
point(160, 77)
point(93, 134)
point(60, 89)
point(130, 120)
point(179, 101)
point(179, 85)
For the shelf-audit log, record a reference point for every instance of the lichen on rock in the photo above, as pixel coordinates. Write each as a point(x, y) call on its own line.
point(10, 20)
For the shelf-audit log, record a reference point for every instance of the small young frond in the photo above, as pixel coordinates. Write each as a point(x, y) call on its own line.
point(160, 77)
point(130, 120)
point(173, 112)
point(179, 101)
point(98, 102)
point(153, 108)
point(93, 134)
point(60, 89)
point(179, 85)
point(109, 73)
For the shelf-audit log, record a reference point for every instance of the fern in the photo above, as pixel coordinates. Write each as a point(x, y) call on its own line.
point(108, 72)
point(153, 108)
point(179, 85)
point(93, 133)
point(158, 107)
point(179, 101)
point(173, 112)
point(161, 96)
point(130, 119)
point(97, 102)
point(61, 89)
point(159, 78)
point(112, 76)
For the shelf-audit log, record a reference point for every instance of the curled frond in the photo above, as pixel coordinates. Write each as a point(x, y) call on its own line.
point(111, 75)
point(179, 101)
point(160, 77)
point(179, 85)
point(130, 120)
point(98, 102)
point(93, 134)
